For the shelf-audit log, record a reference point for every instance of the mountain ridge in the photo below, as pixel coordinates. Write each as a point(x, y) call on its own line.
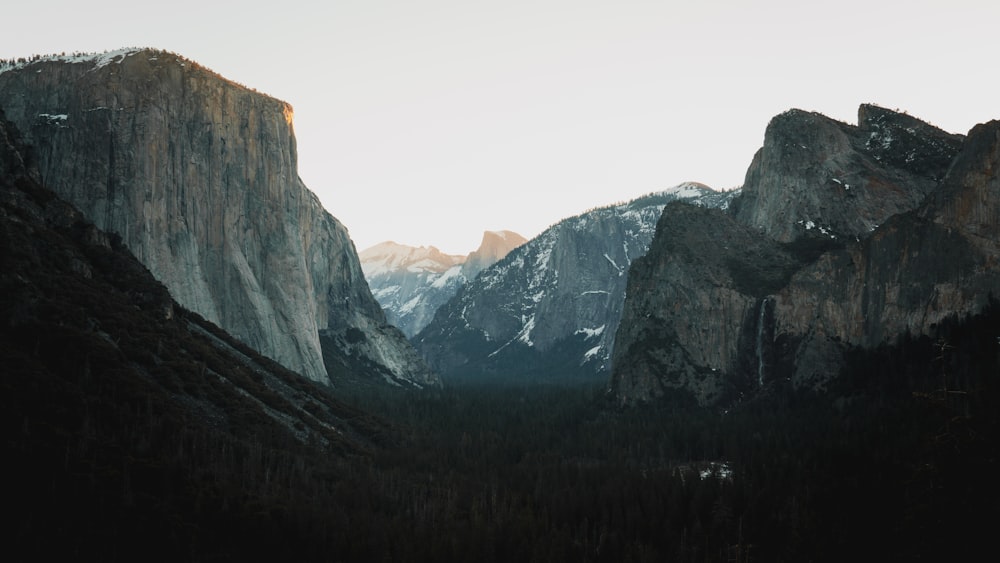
point(864, 278)
point(198, 174)
point(550, 308)
point(412, 282)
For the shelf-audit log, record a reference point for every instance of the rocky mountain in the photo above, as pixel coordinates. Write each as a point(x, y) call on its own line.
point(494, 246)
point(845, 180)
point(133, 426)
point(550, 309)
point(412, 282)
point(198, 176)
point(844, 238)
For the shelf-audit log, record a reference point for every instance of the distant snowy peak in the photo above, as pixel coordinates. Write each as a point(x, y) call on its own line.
point(695, 193)
point(410, 283)
point(688, 190)
point(551, 308)
point(389, 256)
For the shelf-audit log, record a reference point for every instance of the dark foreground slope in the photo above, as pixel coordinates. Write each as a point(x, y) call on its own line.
point(132, 428)
point(900, 468)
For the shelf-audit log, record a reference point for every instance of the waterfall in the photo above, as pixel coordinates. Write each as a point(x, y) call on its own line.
point(761, 318)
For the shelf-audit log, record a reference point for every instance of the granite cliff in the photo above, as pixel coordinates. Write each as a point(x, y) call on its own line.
point(132, 425)
point(820, 269)
point(198, 175)
point(815, 172)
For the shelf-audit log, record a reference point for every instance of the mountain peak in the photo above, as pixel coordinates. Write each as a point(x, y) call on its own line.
point(844, 179)
point(390, 256)
point(411, 282)
point(495, 245)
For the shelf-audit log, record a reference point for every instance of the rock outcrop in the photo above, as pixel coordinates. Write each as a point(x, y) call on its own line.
point(411, 283)
point(198, 175)
point(817, 173)
point(550, 308)
point(719, 324)
point(692, 302)
point(494, 246)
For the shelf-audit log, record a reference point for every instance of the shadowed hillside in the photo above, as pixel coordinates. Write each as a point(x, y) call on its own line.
point(132, 428)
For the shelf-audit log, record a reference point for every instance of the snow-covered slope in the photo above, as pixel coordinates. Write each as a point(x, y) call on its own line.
point(412, 282)
point(551, 307)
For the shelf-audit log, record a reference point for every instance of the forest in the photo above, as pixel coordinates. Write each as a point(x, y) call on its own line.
point(130, 434)
point(896, 463)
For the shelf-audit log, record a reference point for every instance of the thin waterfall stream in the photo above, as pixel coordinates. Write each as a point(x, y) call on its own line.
point(761, 318)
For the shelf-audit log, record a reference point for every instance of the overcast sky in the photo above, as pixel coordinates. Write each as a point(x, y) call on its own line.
point(429, 121)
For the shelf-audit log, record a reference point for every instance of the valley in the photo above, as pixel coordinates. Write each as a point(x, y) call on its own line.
point(199, 365)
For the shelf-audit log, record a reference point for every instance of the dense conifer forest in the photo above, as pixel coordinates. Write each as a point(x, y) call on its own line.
point(899, 463)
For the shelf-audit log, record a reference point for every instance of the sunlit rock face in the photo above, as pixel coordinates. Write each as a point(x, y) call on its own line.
point(411, 283)
point(717, 324)
point(198, 175)
point(549, 310)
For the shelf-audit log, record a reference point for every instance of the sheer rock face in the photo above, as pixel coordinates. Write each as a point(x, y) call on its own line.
point(817, 173)
point(719, 324)
point(919, 268)
point(198, 175)
point(690, 302)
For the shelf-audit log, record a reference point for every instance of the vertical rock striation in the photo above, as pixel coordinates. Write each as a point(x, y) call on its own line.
point(198, 175)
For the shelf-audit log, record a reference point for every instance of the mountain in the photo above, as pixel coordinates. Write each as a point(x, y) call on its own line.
point(198, 176)
point(844, 238)
point(412, 282)
point(844, 179)
point(550, 309)
point(494, 246)
point(133, 428)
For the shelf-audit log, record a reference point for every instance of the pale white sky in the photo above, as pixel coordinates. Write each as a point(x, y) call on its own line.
point(429, 121)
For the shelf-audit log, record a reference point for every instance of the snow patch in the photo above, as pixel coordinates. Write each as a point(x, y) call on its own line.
point(810, 225)
point(455, 272)
point(687, 190)
point(613, 263)
point(55, 120)
point(410, 305)
point(838, 181)
point(591, 332)
point(719, 469)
